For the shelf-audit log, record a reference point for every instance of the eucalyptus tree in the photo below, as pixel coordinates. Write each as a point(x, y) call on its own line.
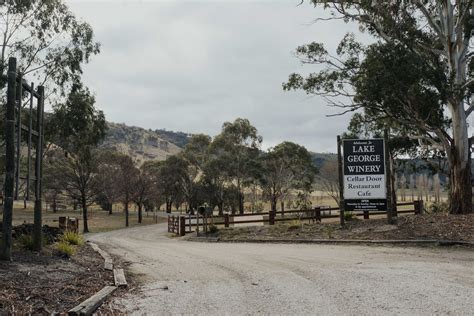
point(51, 44)
point(127, 177)
point(238, 144)
point(79, 178)
point(171, 173)
point(144, 188)
point(436, 36)
point(80, 128)
point(215, 181)
point(287, 166)
point(193, 159)
point(109, 176)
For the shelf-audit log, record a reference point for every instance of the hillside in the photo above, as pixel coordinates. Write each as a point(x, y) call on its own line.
point(143, 144)
point(320, 158)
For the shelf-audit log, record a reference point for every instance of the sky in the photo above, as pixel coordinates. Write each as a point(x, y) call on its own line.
point(190, 66)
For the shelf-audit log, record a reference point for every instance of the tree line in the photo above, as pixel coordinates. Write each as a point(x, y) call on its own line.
point(216, 172)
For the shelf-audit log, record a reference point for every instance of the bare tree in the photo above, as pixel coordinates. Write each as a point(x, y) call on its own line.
point(328, 179)
point(79, 179)
point(143, 189)
point(127, 175)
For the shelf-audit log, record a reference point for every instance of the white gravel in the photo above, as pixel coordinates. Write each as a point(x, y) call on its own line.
point(236, 279)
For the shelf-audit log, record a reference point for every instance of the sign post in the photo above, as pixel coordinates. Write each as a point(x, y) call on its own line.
point(364, 175)
point(341, 180)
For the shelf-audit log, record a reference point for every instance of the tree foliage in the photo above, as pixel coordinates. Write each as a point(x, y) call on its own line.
point(285, 167)
point(51, 44)
point(79, 129)
point(416, 76)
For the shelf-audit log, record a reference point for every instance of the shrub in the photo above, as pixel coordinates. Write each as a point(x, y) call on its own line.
point(65, 249)
point(438, 207)
point(329, 229)
point(258, 207)
point(294, 224)
point(26, 242)
point(213, 229)
point(72, 238)
point(349, 216)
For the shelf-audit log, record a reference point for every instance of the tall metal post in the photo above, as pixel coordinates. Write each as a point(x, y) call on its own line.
point(341, 181)
point(10, 161)
point(19, 93)
point(37, 230)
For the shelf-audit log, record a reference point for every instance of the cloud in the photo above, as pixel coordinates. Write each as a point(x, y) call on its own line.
point(190, 66)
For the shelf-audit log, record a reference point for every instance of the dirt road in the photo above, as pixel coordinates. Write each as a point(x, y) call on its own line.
point(234, 279)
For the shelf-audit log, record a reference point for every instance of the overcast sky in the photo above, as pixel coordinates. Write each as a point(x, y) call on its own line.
point(192, 65)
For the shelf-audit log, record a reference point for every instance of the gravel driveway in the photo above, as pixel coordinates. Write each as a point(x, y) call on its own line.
point(234, 279)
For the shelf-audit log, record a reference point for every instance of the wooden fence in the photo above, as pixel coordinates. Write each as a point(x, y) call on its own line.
point(180, 225)
point(177, 225)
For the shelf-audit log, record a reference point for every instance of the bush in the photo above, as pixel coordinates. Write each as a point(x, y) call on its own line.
point(258, 207)
point(213, 229)
point(438, 207)
point(294, 224)
point(26, 242)
point(65, 249)
point(72, 238)
point(349, 216)
point(329, 229)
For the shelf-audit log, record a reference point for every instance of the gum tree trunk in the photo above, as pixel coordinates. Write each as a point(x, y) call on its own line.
point(140, 215)
point(125, 204)
point(84, 214)
point(460, 194)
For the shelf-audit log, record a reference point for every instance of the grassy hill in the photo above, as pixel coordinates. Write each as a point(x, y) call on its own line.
point(142, 144)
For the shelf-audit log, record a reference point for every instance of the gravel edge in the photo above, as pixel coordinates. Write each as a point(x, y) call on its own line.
point(419, 242)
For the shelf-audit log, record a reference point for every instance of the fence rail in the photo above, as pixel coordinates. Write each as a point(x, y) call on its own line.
point(176, 225)
point(180, 225)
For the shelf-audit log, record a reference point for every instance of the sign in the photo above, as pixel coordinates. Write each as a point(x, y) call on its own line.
point(364, 175)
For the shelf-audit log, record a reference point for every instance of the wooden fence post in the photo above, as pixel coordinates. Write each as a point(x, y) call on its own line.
point(318, 213)
point(19, 95)
point(226, 220)
point(190, 222)
point(182, 225)
point(62, 223)
point(271, 217)
point(9, 185)
point(419, 207)
point(30, 128)
point(388, 174)
point(38, 219)
point(366, 214)
point(341, 181)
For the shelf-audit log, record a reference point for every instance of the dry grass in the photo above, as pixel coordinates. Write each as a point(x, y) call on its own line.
point(409, 227)
point(99, 221)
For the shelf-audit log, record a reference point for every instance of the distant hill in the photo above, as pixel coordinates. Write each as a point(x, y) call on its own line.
point(180, 139)
point(146, 144)
point(320, 158)
point(142, 144)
